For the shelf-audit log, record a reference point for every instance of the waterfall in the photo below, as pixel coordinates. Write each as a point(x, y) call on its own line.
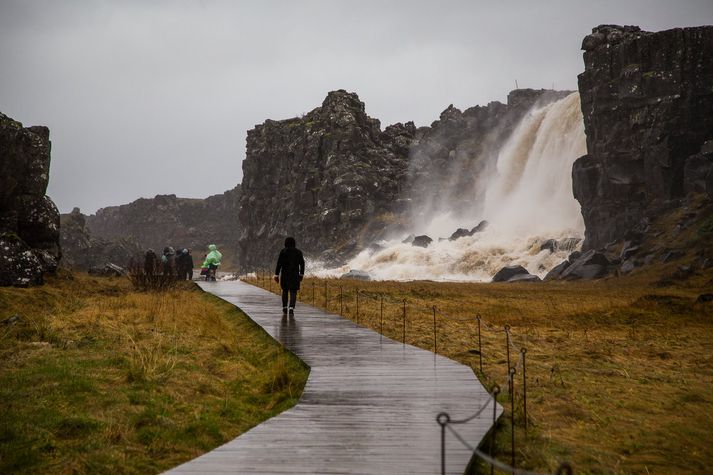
point(527, 200)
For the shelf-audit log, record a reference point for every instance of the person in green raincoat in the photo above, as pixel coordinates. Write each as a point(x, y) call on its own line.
point(212, 261)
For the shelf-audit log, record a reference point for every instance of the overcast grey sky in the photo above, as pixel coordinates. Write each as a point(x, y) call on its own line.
point(149, 97)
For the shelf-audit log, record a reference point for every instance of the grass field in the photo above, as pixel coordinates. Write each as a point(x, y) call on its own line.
point(98, 378)
point(619, 371)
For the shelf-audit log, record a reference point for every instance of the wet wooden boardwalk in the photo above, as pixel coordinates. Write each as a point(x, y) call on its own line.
point(369, 406)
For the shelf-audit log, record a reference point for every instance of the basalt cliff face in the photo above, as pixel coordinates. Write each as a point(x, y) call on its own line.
point(167, 220)
point(29, 220)
point(647, 101)
point(329, 178)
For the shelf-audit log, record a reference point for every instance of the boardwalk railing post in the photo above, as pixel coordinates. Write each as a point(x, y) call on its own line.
point(314, 294)
point(403, 337)
point(443, 420)
point(381, 316)
point(341, 301)
point(512, 414)
point(480, 347)
point(524, 388)
point(496, 391)
point(326, 300)
point(269, 284)
point(357, 305)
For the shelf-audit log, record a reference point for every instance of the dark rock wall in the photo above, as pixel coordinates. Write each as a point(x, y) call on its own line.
point(81, 250)
point(166, 220)
point(29, 220)
point(329, 178)
point(647, 101)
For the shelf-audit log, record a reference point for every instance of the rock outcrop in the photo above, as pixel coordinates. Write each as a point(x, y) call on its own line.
point(330, 178)
point(83, 251)
point(647, 101)
point(166, 220)
point(29, 220)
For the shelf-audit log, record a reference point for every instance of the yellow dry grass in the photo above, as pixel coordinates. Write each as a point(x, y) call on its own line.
point(98, 377)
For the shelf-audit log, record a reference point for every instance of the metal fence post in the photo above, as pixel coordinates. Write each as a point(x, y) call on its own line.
point(435, 340)
point(480, 347)
point(403, 337)
point(524, 388)
point(507, 344)
point(443, 419)
point(496, 391)
point(381, 316)
point(512, 414)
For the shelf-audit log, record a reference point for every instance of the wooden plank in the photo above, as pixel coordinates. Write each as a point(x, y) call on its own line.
point(369, 405)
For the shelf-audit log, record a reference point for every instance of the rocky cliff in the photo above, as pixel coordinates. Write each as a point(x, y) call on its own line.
point(81, 250)
point(329, 178)
point(29, 220)
point(647, 101)
point(167, 220)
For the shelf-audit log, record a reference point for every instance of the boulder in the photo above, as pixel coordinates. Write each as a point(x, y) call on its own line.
point(459, 233)
point(409, 239)
point(421, 241)
point(107, 270)
point(590, 265)
point(480, 227)
point(556, 271)
point(627, 266)
point(628, 251)
point(508, 272)
point(356, 275)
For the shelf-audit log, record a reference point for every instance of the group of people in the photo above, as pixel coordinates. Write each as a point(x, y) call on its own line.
point(289, 272)
point(180, 263)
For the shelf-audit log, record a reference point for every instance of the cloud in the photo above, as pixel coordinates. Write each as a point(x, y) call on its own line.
point(156, 97)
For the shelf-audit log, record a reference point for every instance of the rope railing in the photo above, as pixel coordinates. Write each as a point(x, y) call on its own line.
point(398, 309)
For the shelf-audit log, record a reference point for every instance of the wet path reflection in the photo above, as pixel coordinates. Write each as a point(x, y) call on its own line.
point(369, 405)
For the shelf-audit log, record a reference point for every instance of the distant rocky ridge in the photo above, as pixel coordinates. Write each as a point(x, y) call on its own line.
point(83, 251)
point(647, 100)
point(167, 220)
point(29, 220)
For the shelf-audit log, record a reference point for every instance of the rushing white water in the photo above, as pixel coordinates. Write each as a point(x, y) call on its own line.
point(527, 201)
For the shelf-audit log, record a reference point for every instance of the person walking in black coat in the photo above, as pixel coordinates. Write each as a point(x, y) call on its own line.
point(289, 273)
